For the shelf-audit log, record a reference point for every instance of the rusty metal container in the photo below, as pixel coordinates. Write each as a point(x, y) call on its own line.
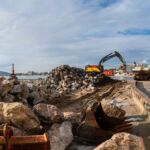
point(34, 142)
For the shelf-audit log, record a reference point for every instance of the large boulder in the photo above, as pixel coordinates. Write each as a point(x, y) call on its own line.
point(122, 141)
point(48, 113)
point(20, 116)
point(60, 136)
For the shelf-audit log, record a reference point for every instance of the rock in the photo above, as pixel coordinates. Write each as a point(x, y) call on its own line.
point(25, 91)
point(112, 110)
point(9, 98)
point(73, 117)
point(20, 116)
point(48, 113)
point(20, 90)
point(122, 141)
point(34, 97)
point(16, 89)
point(60, 136)
point(5, 87)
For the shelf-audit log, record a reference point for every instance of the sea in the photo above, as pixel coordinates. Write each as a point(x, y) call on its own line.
point(32, 77)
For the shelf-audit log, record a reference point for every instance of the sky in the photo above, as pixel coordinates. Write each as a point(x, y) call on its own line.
point(42, 34)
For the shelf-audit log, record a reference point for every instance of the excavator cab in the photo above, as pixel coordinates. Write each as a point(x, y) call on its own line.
point(93, 68)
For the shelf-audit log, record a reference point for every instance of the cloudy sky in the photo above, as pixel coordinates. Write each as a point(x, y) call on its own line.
point(41, 34)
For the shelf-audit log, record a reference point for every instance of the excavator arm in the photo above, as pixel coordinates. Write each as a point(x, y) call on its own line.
point(111, 55)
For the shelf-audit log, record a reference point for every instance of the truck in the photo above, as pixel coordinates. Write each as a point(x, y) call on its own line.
point(141, 72)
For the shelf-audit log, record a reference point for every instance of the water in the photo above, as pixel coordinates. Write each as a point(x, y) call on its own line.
point(34, 77)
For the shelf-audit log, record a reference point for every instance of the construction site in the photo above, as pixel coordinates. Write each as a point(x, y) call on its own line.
point(76, 109)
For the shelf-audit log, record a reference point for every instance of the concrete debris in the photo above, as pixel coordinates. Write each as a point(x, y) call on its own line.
point(48, 114)
point(73, 117)
point(60, 136)
point(19, 115)
point(64, 79)
point(122, 141)
point(112, 110)
point(5, 87)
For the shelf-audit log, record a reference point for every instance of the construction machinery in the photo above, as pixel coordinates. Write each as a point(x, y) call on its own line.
point(141, 72)
point(100, 69)
point(96, 126)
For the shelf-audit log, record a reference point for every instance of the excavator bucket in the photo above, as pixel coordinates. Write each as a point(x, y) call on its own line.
point(97, 127)
point(34, 142)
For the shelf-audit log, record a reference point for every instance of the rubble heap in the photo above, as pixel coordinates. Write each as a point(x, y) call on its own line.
point(64, 79)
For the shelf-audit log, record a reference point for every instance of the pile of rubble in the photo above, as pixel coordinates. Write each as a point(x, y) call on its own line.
point(64, 79)
point(15, 91)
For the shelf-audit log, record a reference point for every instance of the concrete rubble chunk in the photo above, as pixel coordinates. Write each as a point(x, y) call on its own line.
point(5, 87)
point(9, 98)
point(122, 141)
point(19, 115)
point(48, 113)
point(73, 117)
point(112, 110)
point(16, 89)
point(60, 136)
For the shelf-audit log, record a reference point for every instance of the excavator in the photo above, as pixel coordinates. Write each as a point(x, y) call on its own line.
point(100, 68)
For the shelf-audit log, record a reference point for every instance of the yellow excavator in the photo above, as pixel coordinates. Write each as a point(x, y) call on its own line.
point(99, 68)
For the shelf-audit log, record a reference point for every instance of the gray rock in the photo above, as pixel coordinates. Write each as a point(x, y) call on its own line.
point(60, 136)
point(9, 98)
point(16, 89)
point(48, 113)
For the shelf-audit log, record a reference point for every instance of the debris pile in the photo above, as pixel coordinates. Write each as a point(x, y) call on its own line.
point(64, 79)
